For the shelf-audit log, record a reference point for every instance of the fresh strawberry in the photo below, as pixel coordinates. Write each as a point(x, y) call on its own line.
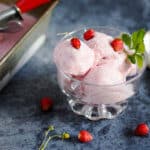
point(142, 129)
point(46, 104)
point(89, 34)
point(84, 136)
point(75, 42)
point(117, 44)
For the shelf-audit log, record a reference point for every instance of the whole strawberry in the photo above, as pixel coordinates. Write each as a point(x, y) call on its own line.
point(117, 44)
point(84, 136)
point(75, 42)
point(142, 130)
point(89, 34)
point(46, 104)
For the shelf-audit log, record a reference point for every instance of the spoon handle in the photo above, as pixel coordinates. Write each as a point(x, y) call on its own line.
point(27, 5)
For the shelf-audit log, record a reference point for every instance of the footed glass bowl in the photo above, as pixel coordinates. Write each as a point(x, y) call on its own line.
point(97, 101)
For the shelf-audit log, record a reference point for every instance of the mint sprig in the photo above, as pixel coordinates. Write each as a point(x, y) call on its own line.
point(139, 60)
point(135, 41)
point(127, 39)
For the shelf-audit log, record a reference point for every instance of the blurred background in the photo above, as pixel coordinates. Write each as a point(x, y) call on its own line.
point(123, 14)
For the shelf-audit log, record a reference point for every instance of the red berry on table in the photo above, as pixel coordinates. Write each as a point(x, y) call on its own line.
point(46, 104)
point(117, 44)
point(84, 136)
point(75, 42)
point(142, 129)
point(89, 34)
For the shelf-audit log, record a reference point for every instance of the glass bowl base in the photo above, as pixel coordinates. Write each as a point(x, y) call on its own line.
point(97, 112)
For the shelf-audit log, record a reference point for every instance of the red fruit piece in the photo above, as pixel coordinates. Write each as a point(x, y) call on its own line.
point(89, 34)
point(142, 129)
point(84, 136)
point(75, 42)
point(117, 44)
point(46, 103)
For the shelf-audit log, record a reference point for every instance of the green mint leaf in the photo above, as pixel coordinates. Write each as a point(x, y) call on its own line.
point(141, 34)
point(134, 38)
point(139, 60)
point(140, 48)
point(126, 39)
point(137, 37)
point(132, 59)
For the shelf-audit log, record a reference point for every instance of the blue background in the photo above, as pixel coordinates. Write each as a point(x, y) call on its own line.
point(22, 124)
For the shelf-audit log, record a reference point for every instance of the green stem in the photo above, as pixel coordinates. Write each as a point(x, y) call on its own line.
point(45, 143)
point(45, 137)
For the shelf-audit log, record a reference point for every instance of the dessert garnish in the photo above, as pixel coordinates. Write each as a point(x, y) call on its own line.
point(46, 104)
point(75, 42)
point(142, 129)
point(135, 42)
point(117, 44)
point(85, 136)
point(89, 34)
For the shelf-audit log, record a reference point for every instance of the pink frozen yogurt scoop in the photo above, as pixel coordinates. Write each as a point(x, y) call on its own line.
point(100, 43)
point(73, 61)
point(102, 75)
point(105, 75)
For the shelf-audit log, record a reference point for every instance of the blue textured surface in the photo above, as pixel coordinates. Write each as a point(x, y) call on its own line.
point(21, 121)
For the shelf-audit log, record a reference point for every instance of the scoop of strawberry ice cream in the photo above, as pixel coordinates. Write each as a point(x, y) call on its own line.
point(71, 60)
point(101, 44)
point(120, 63)
point(104, 75)
point(128, 69)
point(110, 72)
point(124, 65)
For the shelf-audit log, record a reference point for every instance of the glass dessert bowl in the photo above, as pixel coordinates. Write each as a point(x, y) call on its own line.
point(100, 85)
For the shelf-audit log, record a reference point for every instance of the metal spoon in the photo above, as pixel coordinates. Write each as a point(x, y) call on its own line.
point(10, 18)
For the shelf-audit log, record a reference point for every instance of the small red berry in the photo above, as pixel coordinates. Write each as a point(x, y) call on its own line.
point(142, 129)
point(75, 42)
point(46, 103)
point(89, 34)
point(117, 44)
point(84, 136)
